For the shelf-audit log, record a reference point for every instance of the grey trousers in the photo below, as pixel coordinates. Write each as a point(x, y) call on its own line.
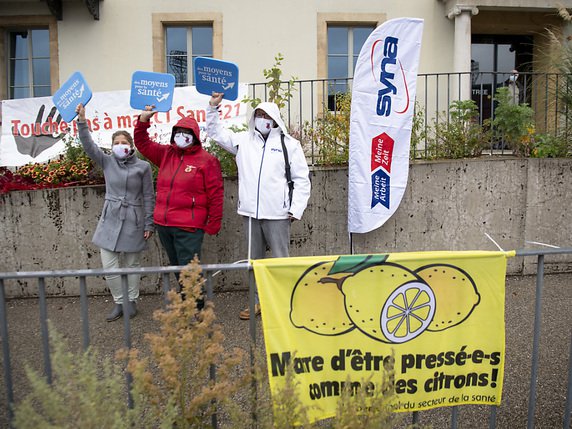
point(111, 259)
point(274, 234)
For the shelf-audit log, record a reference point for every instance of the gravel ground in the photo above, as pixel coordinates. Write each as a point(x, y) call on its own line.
point(25, 346)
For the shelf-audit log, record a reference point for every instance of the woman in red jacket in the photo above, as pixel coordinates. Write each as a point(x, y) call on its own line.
point(189, 187)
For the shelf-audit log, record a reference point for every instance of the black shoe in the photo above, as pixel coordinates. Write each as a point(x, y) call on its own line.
point(133, 310)
point(116, 313)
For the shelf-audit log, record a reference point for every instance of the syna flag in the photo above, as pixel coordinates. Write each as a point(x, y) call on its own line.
point(383, 100)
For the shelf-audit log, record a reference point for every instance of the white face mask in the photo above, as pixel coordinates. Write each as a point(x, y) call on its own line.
point(183, 140)
point(513, 78)
point(121, 151)
point(263, 125)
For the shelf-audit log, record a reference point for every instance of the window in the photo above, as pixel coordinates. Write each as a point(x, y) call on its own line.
point(182, 46)
point(340, 39)
point(29, 57)
point(29, 63)
point(344, 45)
point(179, 38)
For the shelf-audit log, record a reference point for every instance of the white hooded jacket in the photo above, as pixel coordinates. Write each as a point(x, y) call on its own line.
point(262, 184)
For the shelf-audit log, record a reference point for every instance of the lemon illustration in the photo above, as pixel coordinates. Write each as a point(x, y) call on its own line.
point(317, 303)
point(389, 303)
point(455, 292)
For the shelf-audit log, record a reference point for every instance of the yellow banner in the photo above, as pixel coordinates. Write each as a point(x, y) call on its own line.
point(437, 316)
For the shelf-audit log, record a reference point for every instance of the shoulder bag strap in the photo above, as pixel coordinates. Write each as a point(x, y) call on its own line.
point(288, 175)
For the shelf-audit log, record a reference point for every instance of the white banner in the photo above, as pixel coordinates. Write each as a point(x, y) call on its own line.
point(34, 132)
point(383, 100)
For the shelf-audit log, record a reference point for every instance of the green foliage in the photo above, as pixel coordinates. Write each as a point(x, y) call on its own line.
point(74, 150)
point(561, 58)
point(154, 168)
point(457, 134)
point(551, 146)
point(87, 391)
point(418, 130)
point(277, 92)
point(331, 133)
point(227, 159)
point(559, 144)
point(513, 123)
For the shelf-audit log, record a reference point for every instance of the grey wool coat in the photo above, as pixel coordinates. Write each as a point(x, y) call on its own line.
point(129, 198)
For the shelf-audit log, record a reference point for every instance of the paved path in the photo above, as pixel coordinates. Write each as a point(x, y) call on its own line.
point(25, 345)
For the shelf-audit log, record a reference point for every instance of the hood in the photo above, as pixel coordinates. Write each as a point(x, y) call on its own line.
point(273, 111)
point(190, 123)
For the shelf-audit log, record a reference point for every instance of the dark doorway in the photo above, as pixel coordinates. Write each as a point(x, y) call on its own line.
point(493, 57)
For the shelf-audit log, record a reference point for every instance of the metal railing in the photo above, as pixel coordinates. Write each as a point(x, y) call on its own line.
point(312, 101)
point(209, 271)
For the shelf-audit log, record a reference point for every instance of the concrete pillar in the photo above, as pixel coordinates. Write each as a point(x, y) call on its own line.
point(462, 55)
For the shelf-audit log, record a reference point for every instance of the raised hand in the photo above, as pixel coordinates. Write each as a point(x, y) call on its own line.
point(216, 98)
point(45, 135)
point(147, 113)
point(80, 110)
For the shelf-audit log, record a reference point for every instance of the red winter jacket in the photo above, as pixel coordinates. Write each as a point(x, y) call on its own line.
point(189, 183)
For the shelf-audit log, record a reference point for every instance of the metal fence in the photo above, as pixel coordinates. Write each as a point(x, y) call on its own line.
point(316, 102)
point(209, 271)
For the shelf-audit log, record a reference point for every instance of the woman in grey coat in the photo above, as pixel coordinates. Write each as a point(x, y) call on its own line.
point(126, 221)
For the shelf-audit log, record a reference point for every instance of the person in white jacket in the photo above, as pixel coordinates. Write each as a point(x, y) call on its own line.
point(265, 199)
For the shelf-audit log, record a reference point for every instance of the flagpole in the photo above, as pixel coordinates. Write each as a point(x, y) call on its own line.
point(249, 237)
point(351, 244)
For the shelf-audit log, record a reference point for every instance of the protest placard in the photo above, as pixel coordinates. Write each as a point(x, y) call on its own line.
point(74, 91)
point(216, 76)
point(156, 89)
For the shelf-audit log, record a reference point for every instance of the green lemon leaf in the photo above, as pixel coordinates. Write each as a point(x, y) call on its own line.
point(355, 263)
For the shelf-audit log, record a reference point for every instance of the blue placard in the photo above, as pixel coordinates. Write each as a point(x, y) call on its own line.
point(216, 76)
point(148, 88)
point(74, 91)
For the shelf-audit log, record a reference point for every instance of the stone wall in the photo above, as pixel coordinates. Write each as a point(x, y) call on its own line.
point(448, 205)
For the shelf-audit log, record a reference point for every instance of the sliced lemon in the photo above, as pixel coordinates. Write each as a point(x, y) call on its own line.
point(407, 312)
point(389, 302)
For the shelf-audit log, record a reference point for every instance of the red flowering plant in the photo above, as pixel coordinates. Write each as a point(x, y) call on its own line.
point(72, 168)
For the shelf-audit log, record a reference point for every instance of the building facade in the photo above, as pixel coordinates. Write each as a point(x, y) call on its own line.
point(44, 41)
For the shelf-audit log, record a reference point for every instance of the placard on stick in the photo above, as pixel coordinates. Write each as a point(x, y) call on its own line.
point(73, 92)
point(216, 76)
point(149, 88)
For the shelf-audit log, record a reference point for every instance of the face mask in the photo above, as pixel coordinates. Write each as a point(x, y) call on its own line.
point(263, 125)
point(513, 78)
point(183, 140)
point(121, 151)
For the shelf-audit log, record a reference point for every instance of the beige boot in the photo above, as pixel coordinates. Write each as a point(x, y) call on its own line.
point(245, 314)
